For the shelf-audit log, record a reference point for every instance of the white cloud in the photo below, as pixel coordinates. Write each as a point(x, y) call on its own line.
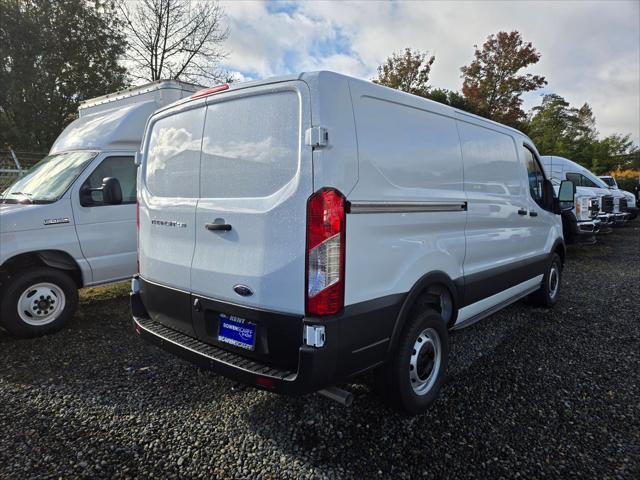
point(590, 50)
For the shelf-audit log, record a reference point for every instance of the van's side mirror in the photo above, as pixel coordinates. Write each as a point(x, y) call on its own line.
point(137, 159)
point(111, 191)
point(566, 194)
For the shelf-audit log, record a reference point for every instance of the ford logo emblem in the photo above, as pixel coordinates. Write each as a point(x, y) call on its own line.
point(243, 290)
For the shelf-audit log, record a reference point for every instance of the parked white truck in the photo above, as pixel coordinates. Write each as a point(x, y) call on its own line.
point(70, 221)
point(632, 207)
point(612, 203)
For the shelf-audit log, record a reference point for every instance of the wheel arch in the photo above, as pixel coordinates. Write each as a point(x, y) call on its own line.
point(417, 292)
point(560, 248)
point(57, 259)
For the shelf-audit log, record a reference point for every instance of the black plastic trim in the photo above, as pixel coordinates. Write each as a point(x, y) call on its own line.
point(481, 285)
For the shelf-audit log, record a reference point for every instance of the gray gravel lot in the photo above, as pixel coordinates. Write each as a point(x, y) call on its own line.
point(531, 393)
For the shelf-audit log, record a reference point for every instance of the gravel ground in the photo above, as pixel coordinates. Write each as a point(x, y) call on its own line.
point(531, 393)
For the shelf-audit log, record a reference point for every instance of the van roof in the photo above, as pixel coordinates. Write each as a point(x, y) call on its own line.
point(325, 75)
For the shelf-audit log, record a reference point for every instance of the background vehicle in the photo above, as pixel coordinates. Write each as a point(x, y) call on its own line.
point(632, 207)
point(581, 223)
point(612, 211)
point(333, 229)
point(70, 221)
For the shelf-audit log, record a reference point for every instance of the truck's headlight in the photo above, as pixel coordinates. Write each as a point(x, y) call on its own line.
point(582, 208)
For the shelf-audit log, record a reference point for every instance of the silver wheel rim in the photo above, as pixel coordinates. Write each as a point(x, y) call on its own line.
point(554, 281)
point(41, 304)
point(425, 360)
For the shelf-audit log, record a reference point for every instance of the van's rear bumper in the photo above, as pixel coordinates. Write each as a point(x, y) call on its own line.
point(317, 367)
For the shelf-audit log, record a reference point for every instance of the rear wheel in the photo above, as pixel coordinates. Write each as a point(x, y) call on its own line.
point(412, 378)
point(38, 301)
point(549, 291)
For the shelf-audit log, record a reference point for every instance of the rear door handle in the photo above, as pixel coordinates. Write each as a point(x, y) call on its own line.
point(522, 212)
point(218, 227)
point(533, 214)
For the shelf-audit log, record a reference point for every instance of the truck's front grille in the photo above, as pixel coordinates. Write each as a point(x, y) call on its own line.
point(623, 205)
point(212, 353)
point(607, 204)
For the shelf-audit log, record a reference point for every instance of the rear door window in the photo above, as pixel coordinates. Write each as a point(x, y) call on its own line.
point(251, 145)
point(173, 159)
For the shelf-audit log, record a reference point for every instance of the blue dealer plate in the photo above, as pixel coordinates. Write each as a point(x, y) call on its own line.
point(237, 331)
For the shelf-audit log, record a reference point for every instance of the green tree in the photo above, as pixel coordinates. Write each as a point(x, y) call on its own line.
point(53, 55)
point(408, 72)
point(493, 83)
point(613, 152)
point(559, 129)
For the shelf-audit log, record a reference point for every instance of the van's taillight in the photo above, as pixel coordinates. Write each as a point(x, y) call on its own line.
point(325, 252)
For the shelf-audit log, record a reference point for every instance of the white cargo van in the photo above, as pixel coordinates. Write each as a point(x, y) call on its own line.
point(613, 204)
point(585, 220)
point(297, 231)
point(70, 221)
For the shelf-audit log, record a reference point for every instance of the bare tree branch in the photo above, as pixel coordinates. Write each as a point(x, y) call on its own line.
point(180, 39)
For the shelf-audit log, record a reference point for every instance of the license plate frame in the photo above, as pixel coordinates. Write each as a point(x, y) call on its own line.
point(237, 331)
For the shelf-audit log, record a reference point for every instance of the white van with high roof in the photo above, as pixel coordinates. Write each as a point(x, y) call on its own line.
point(298, 231)
point(69, 222)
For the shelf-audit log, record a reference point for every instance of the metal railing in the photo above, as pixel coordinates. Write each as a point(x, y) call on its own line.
point(14, 165)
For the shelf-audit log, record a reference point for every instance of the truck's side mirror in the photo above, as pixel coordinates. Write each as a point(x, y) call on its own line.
point(566, 194)
point(111, 191)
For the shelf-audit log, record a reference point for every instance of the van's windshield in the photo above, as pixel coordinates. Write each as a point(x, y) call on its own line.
point(48, 179)
point(609, 181)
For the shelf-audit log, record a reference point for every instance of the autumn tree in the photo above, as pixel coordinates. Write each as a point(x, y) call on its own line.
point(177, 39)
point(53, 55)
point(408, 71)
point(493, 82)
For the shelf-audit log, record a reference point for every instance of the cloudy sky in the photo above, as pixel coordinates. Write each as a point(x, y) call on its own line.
point(590, 50)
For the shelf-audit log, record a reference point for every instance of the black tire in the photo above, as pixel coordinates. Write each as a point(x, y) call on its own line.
point(20, 284)
point(394, 379)
point(547, 295)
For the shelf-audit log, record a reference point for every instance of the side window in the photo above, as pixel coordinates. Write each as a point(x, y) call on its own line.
point(121, 168)
point(576, 178)
point(587, 182)
point(536, 177)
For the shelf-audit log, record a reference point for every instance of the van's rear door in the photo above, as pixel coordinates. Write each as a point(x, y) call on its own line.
point(256, 177)
point(168, 186)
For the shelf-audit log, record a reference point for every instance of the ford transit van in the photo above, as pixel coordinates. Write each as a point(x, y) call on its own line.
point(297, 231)
point(69, 222)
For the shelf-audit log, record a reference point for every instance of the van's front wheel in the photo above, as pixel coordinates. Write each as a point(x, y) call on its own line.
point(412, 378)
point(37, 302)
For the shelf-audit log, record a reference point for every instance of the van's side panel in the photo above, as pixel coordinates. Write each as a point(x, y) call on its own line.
point(409, 151)
point(335, 165)
point(496, 232)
